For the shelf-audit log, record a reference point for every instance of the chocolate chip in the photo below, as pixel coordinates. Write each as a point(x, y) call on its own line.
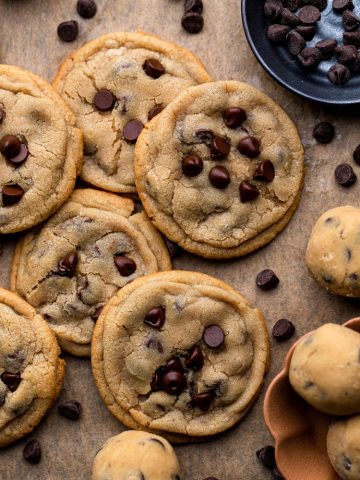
point(205, 136)
point(10, 146)
point(283, 330)
point(324, 132)
point(156, 381)
point(309, 15)
point(350, 21)
point(125, 265)
point(248, 192)
point(289, 18)
point(203, 400)
point(96, 314)
point(267, 279)
point(219, 177)
point(213, 336)
point(173, 365)
point(341, 5)
point(153, 68)
point(192, 22)
point(292, 5)
point(327, 47)
point(173, 382)
point(21, 157)
point(249, 146)
point(193, 6)
point(174, 249)
point(347, 463)
point(67, 265)
point(104, 100)
point(70, 409)
point(132, 130)
point(32, 452)
point(346, 54)
point(155, 317)
point(273, 9)
point(192, 165)
point(86, 8)
point(68, 31)
point(345, 175)
point(307, 31)
point(277, 33)
point(266, 455)
point(295, 42)
point(310, 57)
point(195, 358)
point(339, 74)
point(320, 4)
point(265, 171)
point(155, 111)
point(2, 115)
point(11, 380)
point(234, 117)
point(277, 475)
point(352, 38)
point(154, 344)
point(11, 194)
point(220, 148)
point(356, 155)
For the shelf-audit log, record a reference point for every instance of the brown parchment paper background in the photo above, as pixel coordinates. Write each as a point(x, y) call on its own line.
point(28, 39)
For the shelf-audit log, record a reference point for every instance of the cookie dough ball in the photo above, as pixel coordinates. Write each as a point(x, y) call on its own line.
point(135, 455)
point(333, 251)
point(325, 370)
point(343, 445)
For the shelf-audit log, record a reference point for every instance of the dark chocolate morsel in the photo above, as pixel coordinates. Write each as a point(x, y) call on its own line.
point(273, 10)
point(155, 317)
point(339, 74)
point(277, 33)
point(155, 111)
point(289, 18)
point(192, 165)
point(11, 380)
point(70, 409)
point(295, 42)
point(11, 194)
point(10, 146)
point(356, 155)
point(96, 314)
point(346, 54)
point(347, 463)
point(341, 5)
point(204, 136)
point(283, 329)
point(86, 8)
point(156, 381)
point(153, 68)
point(249, 146)
point(203, 400)
point(292, 5)
point(192, 22)
point(352, 38)
point(104, 100)
point(266, 455)
point(345, 175)
point(307, 31)
point(193, 6)
point(132, 130)
point(219, 177)
point(173, 365)
point(173, 382)
point(350, 21)
point(32, 452)
point(324, 132)
point(248, 192)
point(195, 358)
point(213, 336)
point(220, 148)
point(68, 31)
point(267, 279)
point(125, 265)
point(67, 265)
point(265, 171)
point(234, 117)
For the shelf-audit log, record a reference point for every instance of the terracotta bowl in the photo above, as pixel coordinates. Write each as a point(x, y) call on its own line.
point(298, 429)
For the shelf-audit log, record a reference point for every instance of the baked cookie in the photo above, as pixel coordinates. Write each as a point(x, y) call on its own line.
point(71, 266)
point(31, 372)
point(325, 370)
point(220, 170)
point(136, 456)
point(343, 445)
point(179, 353)
point(333, 251)
point(114, 85)
point(41, 151)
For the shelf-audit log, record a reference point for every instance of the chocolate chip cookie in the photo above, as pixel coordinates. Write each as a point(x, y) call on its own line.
point(179, 353)
point(220, 170)
point(41, 150)
point(138, 456)
point(31, 372)
point(115, 85)
point(70, 267)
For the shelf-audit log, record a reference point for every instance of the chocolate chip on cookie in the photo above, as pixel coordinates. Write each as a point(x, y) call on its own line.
point(205, 136)
point(283, 330)
point(68, 31)
point(219, 177)
point(213, 336)
point(234, 117)
point(10, 146)
point(173, 382)
point(155, 111)
point(32, 452)
point(345, 175)
point(132, 130)
point(324, 132)
point(70, 409)
point(11, 380)
point(248, 192)
point(220, 148)
point(203, 400)
point(104, 100)
point(153, 68)
point(195, 358)
point(249, 146)
point(155, 317)
point(86, 8)
point(67, 265)
point(2, 115)
point(265, 171)
point(192, 165)
point(267, 279)
point(125, 265)
point(12, 194)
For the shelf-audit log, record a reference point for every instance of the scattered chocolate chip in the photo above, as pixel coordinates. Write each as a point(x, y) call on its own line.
point(193, 6)
point(307, 31)
point(70, 409)
point(21, 157)
point(295, 43)
point(11, 194)
point(289, 18)
point(104, 100)
point(350, 21)
point(265, 171)
point(324, 132)
point(192, 22)
point(174, 249)
point(355, 66)
point(2, 115)
point(195, 358)
point(32, 452)
point(219, 177)
point(310, 57)
point(68, 31)
point(132, 130)
point(203, 400)
point(173, 382)
point(339, 74)
point(273, 9)
point(86, 8)
point(234, 117)
point(125, 265)
point(213, 336)
point(155, 111)
point(341, 5)
point(267, 280)
point(277, 33)
point(283, 330)
point(356, 155)
point(156, 381)
point(173, 365)
point(11, 380)
point(352, 38)
point(327, 47)
point(67, 265)
point(346, 54)
point(249, 146)
point(96, 314)
point(205, 136)
point(248, 192)
point(153, 68)
point(10, 146)
point(277, 475)
point(155, 317)
point(292, 5)
point(345, 175)
point(266, 455)
point(309, 15)
point(220, 148)
point(192, 165)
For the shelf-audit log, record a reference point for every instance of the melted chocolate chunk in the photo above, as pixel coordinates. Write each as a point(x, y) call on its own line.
point(156, 381)
point(11, 380)
point(155, 344)
point(67, 265)
point(234, 117)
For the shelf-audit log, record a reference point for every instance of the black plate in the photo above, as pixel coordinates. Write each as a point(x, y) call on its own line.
point(287, 71)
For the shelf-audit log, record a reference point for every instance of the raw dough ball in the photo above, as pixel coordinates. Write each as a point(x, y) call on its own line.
point(333, 251)
point(134, 455)
point(325, 370)
point(343, 444)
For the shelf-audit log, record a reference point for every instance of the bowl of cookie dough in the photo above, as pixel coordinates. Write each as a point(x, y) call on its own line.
point(310, 47)
point(312, 406)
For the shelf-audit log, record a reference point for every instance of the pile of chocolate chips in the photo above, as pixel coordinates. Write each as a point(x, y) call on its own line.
point(294, 22)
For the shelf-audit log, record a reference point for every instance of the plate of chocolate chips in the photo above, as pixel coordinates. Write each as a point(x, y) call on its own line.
point(311, 47)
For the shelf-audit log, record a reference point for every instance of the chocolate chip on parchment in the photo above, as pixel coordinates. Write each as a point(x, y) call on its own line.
point(345, 175)
point(310, 57)
point(277, 33)
point(249, 146)
point(219, 177)
point(21, 157)
point(265, 171)
point(352, 38)
point(104, 100)
point(10, 146)
point(324, 132)
point(173, 382)
point(2, 115)
point(267, 279)
point(132, 130)
point(339, 74)
point(70, 409)
point(283, 330)
point(153, 68)
point(195, 358)
point(356, 155)
point(220, 148)
point(213, 336)
point(86, 8)
point(68, 31)
point(307, 31)
point(266, 455)
point(309, 15)
point(32, 452)
point(346, 54)
point(350, 21)
point(11, 380)
point(155, 317)
point(289, 18)
point(341, 5)
point(327, 47)
point(248, 192)
point(273, 9)
point(192, 22)
point(203, 400)
point(125, 265)
point(234, 117)
point(67, 265)
point(295, 42)
point(173, 248)
point(193, 6)
point(155, 111)
point(192, 165)
point(277, 475)
point(11, 194)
